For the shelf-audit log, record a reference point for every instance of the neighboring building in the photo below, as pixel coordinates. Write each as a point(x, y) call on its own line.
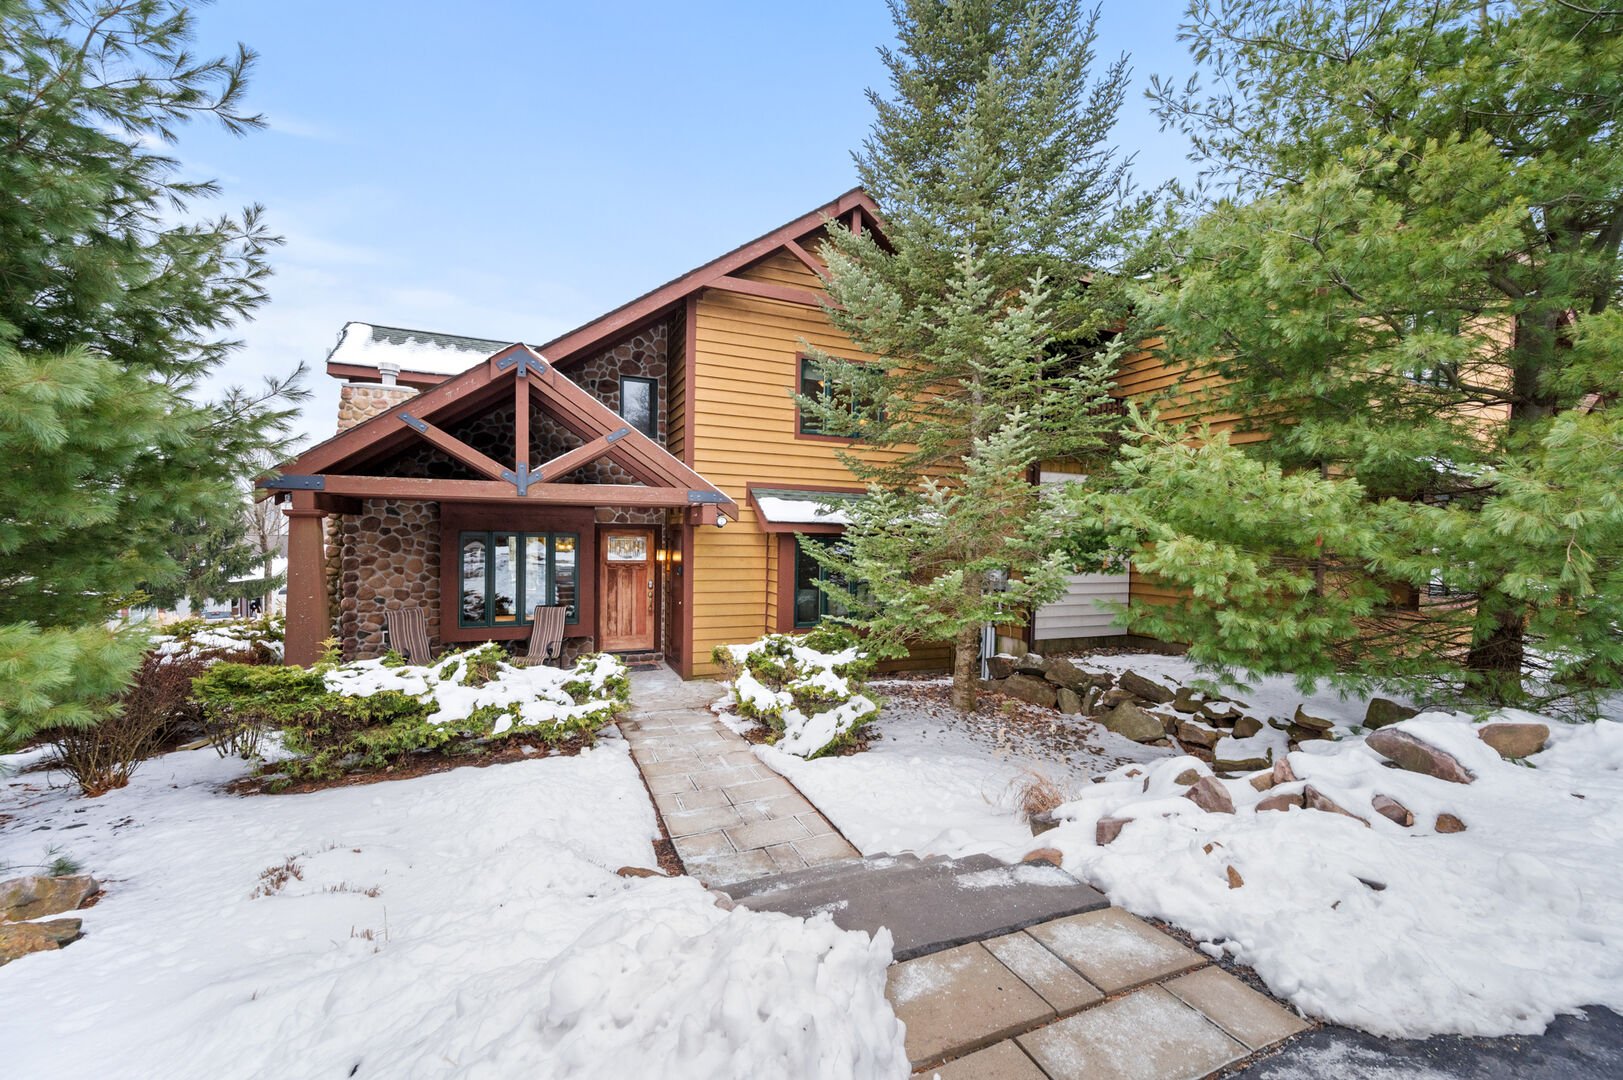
point(648, 470)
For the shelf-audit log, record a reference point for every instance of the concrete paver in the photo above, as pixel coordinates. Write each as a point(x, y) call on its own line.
point(1248, 1016)
point(1115, 951)
point(1051, 977)
point(1000, 1061)
point(1145, 1035)
point(959, 1000)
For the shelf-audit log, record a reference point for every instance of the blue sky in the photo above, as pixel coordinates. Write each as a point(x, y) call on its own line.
point(510, 170)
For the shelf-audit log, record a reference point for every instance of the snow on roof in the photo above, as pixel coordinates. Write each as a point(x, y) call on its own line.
point(366, 345)
point(278, 566)
point(803, 507)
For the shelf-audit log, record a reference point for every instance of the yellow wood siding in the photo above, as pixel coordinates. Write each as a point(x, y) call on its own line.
point(676, 385)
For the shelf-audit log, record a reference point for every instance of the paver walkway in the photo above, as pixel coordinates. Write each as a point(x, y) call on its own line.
point(730, 816)
point(1101, 996)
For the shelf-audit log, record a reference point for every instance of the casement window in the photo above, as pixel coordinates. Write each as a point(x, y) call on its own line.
point(504, 576)
point(639, 404)
point(811, 602)
point(813, 385)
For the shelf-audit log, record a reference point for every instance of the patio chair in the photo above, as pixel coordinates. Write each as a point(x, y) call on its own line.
point(546, 635)
point(406, 632)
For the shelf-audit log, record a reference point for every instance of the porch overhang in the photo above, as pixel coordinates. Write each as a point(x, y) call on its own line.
point(807, 510)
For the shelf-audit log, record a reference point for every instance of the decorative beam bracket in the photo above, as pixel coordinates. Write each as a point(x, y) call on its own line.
point(698, 498)
point(293, 482)
point(524, 362)
point(522, 478)
point(414, 423)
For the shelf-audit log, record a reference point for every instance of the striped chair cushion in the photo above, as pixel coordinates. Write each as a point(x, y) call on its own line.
point(546, 634)
point(408, 633)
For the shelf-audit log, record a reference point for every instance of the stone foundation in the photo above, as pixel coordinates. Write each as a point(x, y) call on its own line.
point(388, 556)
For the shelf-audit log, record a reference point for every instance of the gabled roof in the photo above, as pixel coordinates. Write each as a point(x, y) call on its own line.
point(650, 305)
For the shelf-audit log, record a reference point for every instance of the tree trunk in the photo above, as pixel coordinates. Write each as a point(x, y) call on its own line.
point(966, 654)
point(1497, 650)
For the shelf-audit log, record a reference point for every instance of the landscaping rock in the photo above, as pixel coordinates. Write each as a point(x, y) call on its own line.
point(1108, 829)
point(1314, 799)
point(1448, 823)
point(1031, 664)
point(1000, 666)
point(1210, 795)
point(1186, 700)
point(1384, 711)
point(1191, 733)
point(1414, 755)
point(1029, 688)
point(20, 939)
point(37, 895)
point(1283, 773)
point(1305, 734)
point(1242, 765)
point(1392, 810)
point(1132, 722)
point(1090, 700)
point(1044, 854)
point(1063, 672)
point(1280, 802)
point(1139, 686)
point(1263, 781)
point(1235, 880)
point(1515, 740)
point(1312, 723)
point(1115, 696)
point(1042, 821)
point(638, 871)
point(1068, 701)
point(1221, 713)
point(1187, 777)
point(1246, 726)
point(1169, 722)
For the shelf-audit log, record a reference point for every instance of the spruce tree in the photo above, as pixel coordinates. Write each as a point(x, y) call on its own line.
point(115, 307)
point(991, 297)
point(1406, 278)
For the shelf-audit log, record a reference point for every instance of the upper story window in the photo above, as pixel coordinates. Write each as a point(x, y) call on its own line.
point(639, 404)
point(505, 576)
point(813, 385)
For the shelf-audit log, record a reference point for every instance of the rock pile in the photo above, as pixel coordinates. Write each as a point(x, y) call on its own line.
point(33, 897)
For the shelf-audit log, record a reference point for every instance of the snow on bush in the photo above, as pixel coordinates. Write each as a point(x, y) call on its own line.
point(1401, 931)
point(809, 697)
point(231, 639)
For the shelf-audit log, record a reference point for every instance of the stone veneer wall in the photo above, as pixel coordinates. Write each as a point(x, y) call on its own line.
point(362, 401)
point(387, 556)
point(644, 354)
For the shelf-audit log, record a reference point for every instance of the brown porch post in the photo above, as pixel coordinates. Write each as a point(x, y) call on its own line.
point(308, 622)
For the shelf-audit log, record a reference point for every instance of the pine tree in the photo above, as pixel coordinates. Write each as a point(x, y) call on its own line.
point(1409, 283)
point(113, 312)
point(992, 299)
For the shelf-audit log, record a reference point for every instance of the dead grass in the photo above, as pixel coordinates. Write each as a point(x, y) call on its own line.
point(1034, 793)
point(272, 879)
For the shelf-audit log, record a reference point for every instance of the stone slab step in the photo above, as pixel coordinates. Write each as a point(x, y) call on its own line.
point(823, 874)
point(929, 906)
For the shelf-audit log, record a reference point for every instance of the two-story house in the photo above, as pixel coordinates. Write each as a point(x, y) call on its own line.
point(649, 471)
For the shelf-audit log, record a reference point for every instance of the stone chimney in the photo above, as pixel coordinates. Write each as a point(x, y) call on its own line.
point(362, 401)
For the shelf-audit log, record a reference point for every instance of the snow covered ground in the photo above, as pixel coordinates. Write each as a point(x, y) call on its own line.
point(1398, 931)
point(466, 924)
point(932, 783)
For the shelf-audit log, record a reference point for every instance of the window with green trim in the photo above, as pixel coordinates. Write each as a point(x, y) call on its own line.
point(811, 602)
point(854, 401)
point(505, 576)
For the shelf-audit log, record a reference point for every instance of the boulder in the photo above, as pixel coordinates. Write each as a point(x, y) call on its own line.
point(1314, 799)
point(1210, 795)
point(37, 895)
point(1063, 672)
point(1392, 810)
point(1448, 823)
point(1186, 701)
point(1031, 664)
point(1187, 777)
point(1140, 687)
point(1042, 821)
point(1515, 740)
point(1132, 722)
point(1169, 722)
point(1115, 696)
point(20, 939)
point(1283, 773)
point(1090, 700)
point(1068, 701)
point(1108, 829)
point(1384, 711)
point(1305, 734)
point(1043, 854)
point(1193, 734)
point(1410, 753)
point(1246, 726)
point(1312, 723)
point(1030, 688)
point(1000, 666)
point(1280, 802)
point(1235, 880)
point(1242, 765)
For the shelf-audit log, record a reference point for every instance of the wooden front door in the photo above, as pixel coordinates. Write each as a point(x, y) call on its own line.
point(626, 576)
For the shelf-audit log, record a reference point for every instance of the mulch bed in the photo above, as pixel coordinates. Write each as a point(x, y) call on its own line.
point(418, 764)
